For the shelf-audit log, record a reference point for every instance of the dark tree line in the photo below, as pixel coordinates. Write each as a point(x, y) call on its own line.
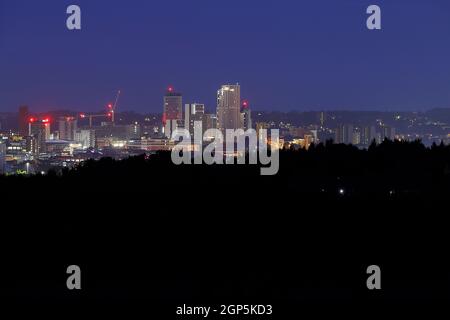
point(389, 169)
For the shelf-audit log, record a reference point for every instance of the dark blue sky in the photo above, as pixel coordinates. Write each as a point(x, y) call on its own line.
point(286, 54)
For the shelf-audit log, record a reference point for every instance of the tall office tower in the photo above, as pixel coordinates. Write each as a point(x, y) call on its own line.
point(322, 118)
point(194, 113)
point(67, 128)
point(368, 135)
point(246, 116)
point(173, 112)
point(40, 131)
point(344, 134)
point(229, 107)
point(2, 157)
point(23, 120)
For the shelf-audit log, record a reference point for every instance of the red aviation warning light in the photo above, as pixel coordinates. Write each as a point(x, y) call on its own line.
point(31, 120)
point(110, 106)
point(109, 114)
point(46, 120)
point(245, 104)
point(170, 89)
point(82, 116)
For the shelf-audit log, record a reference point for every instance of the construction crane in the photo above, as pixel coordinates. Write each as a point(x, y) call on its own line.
point(113, 107)
point(110, 114)
point(92, 116)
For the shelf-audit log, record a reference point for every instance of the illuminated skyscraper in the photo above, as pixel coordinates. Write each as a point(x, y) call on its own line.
point(39, 130)
point(229, 107)
point(173, 111)
point(23, 120)
point(67, 128)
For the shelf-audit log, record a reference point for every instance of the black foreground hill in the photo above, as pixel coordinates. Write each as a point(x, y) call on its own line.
point(149, 235)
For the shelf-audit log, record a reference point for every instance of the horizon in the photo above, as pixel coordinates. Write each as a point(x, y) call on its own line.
point(32, 111)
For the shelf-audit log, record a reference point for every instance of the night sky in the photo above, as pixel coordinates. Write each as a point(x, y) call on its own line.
point(286, 54)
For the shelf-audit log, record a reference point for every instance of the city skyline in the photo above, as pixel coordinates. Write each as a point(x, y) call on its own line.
point(292, 55)
point(224, 159)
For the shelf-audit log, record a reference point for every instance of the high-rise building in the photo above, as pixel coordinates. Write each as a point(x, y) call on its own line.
point(67, 128)
point(246, 116)
point(229, 107)
point(23, 120)
point(193, 114)
point(344, 134)
point(387, 133)
point(356, 137)
point(322, 118)
point(39, 130)
point(368, 135)
point(173, 111)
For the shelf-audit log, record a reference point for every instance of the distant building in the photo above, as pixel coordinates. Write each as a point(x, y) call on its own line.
point(150, 144)
point(173, 112)
point(387, 133)
point(85, 137)
point(322, 118)
point(39, 130)
point(246, 116)
point(23, 120)
point(58, 147)
point(109, 133)
point(193, 114)
point(210, 121)
point(368, 135)
point(344, 134)
point(16, 147)
point(229, 107)
point(356, 137)
point(67, 128)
